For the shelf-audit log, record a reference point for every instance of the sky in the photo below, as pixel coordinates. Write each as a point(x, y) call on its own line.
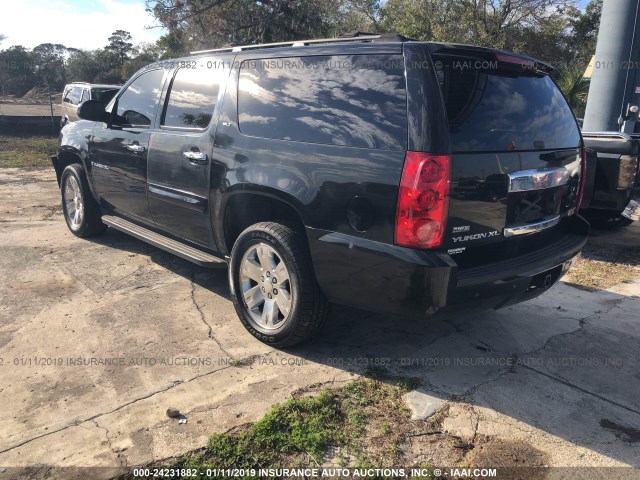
point(85, 24)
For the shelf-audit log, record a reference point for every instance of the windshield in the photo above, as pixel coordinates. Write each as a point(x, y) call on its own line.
point(494, 109)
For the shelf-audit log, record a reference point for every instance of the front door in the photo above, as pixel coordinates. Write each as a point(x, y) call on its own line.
point(180, 154)
point(119, 151)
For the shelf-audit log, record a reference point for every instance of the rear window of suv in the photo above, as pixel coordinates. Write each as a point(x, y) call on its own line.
point(348, 100)
point(495, 109)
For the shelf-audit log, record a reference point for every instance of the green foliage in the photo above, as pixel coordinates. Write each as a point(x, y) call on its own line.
point(300, 431)
point(17, 73)
point(570, 80)
point(307, 425)
point(54, 65)
point(121, 46)
point(48, 62)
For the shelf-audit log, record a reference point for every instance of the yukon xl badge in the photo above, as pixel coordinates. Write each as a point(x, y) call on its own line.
point(99, 165)
point(477, 236)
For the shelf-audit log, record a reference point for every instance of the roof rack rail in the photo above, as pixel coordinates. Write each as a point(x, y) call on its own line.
point(354, 36)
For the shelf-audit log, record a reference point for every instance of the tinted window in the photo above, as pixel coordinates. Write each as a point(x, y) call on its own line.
point(494, 109)
point(137, 105)
point(192, 98)
point(357, 101)
point(73, 95)
point(103, 95)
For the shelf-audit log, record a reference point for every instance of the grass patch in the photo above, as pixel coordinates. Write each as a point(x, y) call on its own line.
point(27, 151)
point(604, 267)
point(358, 426)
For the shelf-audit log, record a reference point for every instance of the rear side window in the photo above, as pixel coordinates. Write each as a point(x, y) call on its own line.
point(103, 95)
point(192, 98)
point(496, 110)
point(73, 95)
point(356, 101)
point(137, 104)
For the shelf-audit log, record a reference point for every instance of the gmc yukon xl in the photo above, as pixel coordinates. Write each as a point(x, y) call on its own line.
point(376, 171)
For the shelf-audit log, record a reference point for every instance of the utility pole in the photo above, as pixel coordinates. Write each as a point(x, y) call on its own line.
point(614, 94)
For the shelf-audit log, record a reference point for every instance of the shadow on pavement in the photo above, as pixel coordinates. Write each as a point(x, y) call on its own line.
point(565, 363)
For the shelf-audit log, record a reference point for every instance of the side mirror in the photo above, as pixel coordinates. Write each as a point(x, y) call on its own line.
point(94, 111)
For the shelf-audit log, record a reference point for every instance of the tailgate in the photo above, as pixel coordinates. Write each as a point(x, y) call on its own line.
point(516, 155)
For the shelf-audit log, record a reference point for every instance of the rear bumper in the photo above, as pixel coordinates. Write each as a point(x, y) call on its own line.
point(390, 279)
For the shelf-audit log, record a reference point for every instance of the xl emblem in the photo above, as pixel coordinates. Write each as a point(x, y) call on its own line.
point(528, 205)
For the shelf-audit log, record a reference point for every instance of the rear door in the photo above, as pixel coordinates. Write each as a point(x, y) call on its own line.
point(180, 151)
point(516, 155)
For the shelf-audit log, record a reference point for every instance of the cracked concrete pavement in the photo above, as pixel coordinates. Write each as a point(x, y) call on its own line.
point(99, 337)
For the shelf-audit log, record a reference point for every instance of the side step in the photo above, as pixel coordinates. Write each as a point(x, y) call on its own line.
point(177, 248)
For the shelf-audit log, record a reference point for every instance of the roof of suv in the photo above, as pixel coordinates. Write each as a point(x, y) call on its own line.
point(385, 38)
point(100, 85)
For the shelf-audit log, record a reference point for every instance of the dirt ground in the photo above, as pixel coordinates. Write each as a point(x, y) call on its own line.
point(99, 337)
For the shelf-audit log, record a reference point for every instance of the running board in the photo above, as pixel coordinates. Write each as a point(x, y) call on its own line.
point(194, 255)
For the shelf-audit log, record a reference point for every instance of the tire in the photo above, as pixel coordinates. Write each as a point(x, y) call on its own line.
point(297, 306)
point(613, 222)
point(81, 211)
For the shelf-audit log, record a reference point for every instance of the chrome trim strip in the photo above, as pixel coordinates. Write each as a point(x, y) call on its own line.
point(607, 135)
point(526, 180)
point(177, 195)
point(529, 228)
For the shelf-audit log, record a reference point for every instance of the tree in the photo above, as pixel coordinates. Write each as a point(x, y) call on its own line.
point(146, 53)
point(17, 71)
point(49, 63)
point(111, 68)
point(570, 80)
point(585, 28)
point(83, 66)
point(120, 44)
point(216, 23)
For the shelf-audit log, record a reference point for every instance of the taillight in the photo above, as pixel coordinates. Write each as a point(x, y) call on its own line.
point(423, 200)
point(627, 171)
point(523, 62)
point(583, 177)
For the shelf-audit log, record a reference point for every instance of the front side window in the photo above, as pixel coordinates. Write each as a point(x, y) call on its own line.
point(348, 100)
point(137, 104)
point(85, 95)
point(192, 98)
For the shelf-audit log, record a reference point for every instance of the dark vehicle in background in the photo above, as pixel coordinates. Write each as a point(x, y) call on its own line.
point(76, 93)
point(612, 189)
point(341, 170)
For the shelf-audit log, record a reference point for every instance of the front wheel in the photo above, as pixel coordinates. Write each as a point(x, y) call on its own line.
point(81, 212)
point(276, 294)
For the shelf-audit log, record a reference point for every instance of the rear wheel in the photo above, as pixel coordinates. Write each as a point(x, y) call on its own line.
point(81, 212)
point(276, 294)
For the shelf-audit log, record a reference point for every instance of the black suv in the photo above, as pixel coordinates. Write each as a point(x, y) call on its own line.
point(379, 172)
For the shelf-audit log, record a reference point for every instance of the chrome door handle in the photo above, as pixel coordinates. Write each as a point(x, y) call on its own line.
point(135, 148)
point(196, 156)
